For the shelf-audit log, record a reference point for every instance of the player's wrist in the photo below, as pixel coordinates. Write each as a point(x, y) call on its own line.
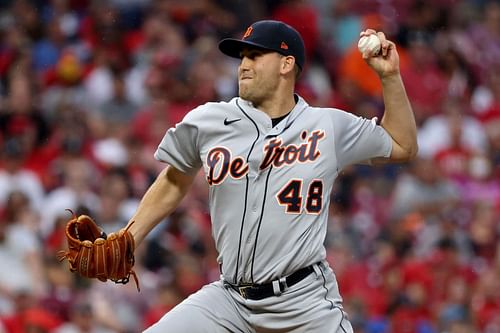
point(390, 77)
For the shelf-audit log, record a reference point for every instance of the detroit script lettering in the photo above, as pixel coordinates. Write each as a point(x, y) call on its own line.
point(221, 163)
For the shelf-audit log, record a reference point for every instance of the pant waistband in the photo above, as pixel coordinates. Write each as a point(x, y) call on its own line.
point(274, 288)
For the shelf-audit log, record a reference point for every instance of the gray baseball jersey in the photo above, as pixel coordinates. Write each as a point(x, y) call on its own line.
point(269, 186)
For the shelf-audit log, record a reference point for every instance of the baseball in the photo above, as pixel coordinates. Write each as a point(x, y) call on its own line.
point(370, 45)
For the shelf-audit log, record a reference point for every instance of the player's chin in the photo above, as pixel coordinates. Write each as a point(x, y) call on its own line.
point(244, 90)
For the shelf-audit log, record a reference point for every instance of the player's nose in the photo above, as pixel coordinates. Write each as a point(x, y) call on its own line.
point(245, 63)
point(243, 68)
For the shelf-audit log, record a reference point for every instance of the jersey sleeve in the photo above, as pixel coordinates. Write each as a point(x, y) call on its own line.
point(179, 146)
point(359, 139)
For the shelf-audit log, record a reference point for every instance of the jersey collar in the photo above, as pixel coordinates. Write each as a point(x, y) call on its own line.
point(265, 122)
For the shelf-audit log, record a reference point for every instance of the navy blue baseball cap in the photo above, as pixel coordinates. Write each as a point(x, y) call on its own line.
point(268, 35)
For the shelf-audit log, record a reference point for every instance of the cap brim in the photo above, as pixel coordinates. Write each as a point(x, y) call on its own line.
point(233, 47)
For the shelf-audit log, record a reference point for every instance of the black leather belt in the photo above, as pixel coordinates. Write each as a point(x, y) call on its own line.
point(261, 291)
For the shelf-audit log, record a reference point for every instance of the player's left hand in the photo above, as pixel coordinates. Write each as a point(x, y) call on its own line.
point(386, 63)
point(93, 254)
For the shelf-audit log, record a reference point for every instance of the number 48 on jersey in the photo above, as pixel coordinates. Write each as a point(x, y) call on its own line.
point(291, 197)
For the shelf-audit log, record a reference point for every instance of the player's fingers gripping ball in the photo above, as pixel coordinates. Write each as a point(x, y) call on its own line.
point(370, 45)
point(93, 254)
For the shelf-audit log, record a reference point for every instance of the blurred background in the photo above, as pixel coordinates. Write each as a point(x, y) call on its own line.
point(88, 89)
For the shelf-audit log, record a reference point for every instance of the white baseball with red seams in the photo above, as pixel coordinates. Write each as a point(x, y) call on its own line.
point(369, 44)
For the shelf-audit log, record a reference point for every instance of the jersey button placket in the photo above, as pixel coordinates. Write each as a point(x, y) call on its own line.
point(250, 238)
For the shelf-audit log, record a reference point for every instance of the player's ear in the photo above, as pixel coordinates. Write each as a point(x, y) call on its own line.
point(287, 64)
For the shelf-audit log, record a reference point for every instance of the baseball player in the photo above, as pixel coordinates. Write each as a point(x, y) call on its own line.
point(270, 161)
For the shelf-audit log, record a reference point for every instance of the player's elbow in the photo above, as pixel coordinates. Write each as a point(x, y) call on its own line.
point(404, 153)
point(412, 155)
point(410, 152)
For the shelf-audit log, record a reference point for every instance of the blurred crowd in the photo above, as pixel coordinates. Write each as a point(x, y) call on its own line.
point(88, 88)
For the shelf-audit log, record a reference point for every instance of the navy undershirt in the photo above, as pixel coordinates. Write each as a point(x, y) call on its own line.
point(276, 121)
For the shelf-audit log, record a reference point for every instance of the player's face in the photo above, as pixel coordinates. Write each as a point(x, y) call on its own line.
point(258, 75)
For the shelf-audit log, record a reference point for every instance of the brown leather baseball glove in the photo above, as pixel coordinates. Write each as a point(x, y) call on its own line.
point(93, 254)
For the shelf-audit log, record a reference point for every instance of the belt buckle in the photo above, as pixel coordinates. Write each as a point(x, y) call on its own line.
point(243, 291)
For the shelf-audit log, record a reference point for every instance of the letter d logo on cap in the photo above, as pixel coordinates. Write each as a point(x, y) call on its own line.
point(248, 32)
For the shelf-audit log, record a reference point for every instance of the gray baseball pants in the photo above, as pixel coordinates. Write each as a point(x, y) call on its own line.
point(311, 305)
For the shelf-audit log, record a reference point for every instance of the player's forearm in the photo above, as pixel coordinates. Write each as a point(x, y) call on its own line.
point(398, 119)
point(159, 201)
